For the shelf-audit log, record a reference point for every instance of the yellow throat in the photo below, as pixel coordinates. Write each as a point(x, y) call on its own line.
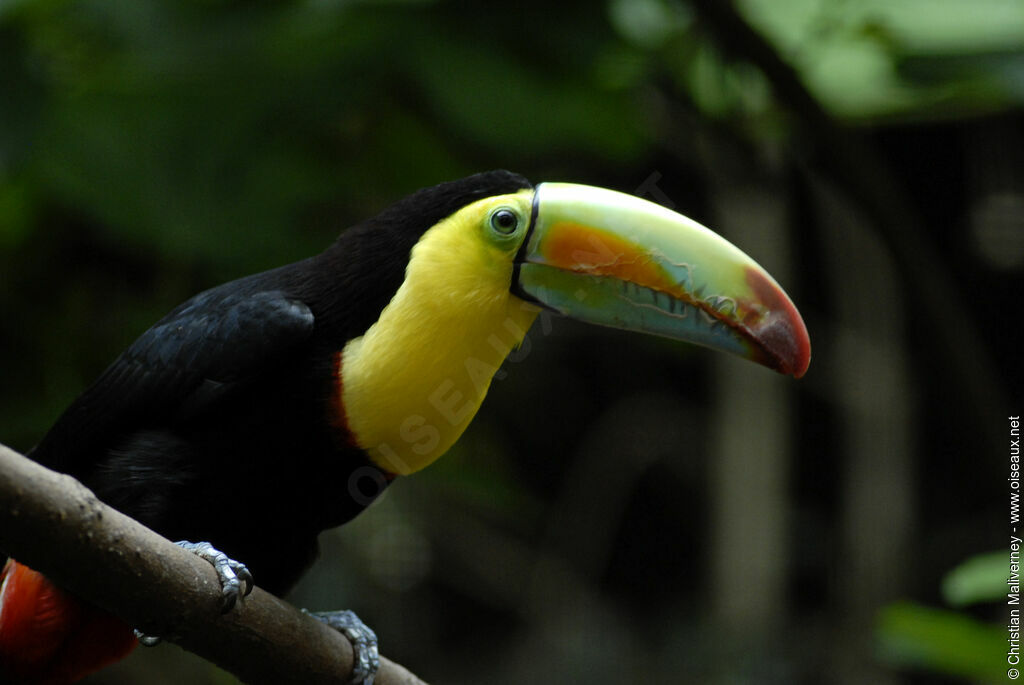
point(413, 382)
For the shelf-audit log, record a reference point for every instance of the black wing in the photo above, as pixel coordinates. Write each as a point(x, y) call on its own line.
point(204, 349)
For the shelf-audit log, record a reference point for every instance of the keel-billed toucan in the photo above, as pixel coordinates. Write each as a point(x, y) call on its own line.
point(261, 412)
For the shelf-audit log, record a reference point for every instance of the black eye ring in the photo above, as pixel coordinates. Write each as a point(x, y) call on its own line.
point(504, 221)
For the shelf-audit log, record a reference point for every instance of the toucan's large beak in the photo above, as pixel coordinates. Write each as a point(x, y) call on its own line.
point(617, 260)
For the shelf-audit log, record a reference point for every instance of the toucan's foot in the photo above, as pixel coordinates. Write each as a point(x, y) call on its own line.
point(364, 642)
point(232, 574)
point(147, 640)
point(235, 580)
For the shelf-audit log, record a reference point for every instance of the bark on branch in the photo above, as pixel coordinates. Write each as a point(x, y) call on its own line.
point(54, 524)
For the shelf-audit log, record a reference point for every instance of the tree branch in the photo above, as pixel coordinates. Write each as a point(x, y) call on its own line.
point(55, 525)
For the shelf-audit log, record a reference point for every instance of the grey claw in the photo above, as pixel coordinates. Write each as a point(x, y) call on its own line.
point(232, 574)
point(246, 577)
point(147, 640)
point(363, 639)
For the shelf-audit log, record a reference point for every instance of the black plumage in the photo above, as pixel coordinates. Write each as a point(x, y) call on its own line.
point(217, 425)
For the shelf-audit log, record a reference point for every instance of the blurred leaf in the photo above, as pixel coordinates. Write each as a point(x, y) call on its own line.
point(649, 23)
point(979, 579)
point(910, 635)
point(851, 55)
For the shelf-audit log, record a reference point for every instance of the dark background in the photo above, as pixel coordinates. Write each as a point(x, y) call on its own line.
point(623, 509)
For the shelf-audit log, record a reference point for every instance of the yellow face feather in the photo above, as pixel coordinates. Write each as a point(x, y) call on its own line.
point(413, 382)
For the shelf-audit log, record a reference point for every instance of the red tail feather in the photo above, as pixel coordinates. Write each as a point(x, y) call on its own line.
point(49, 637)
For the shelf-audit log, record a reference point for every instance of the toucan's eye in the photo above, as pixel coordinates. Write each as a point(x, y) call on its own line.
point(504, 221)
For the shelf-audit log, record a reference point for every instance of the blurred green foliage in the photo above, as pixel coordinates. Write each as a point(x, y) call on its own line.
point(981, 578)
point(943, 642)
point(872, 58)
point(949, 642)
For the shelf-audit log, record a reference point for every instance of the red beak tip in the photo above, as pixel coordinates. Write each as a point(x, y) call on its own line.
point(785, 345)
point(783, 334)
